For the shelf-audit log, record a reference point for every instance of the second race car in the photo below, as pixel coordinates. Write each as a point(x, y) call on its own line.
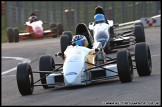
point(34, 29)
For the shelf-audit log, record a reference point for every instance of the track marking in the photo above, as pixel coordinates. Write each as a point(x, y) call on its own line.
point(9, 76)
point(24, 60)
point(155, 55)
point(28, 61)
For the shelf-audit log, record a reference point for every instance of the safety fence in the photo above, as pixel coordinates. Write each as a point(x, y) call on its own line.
point(70, 13)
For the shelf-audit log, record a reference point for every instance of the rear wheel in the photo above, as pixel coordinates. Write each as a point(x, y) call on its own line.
point(46, 63)
point(60, 28)
point(10, 34)
point(139, 33)
point(124, 66)
point(143, 59)
point(111, 31)
point(64, 42)
point(53, 27)
point(107, 48)
point(16, 34)
point(139, 23)
point(69, 33)
point(25, 79)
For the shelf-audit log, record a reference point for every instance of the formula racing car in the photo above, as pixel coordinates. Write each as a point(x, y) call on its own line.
point(83, 65)
point(112, 35)
point(34, 28)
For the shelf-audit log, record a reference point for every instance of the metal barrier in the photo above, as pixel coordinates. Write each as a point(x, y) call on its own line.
point(147, 22)
point(152, 21)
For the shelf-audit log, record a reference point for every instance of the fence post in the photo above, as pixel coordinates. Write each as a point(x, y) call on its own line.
point(144, 8)
point(113, 17)
point(123, 12)
point(47, 12)
point(54, 11)
point(134, 10)
point(85, 13)
point(32, 6)
point(40, 11)
point(62, 5)
point(78, 12)
point(6, 13)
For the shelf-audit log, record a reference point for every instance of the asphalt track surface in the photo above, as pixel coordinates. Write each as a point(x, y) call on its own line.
point(141, 91)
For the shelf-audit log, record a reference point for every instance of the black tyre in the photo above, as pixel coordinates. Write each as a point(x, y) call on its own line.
point(143, 59)
point(106, 49)
point(139, 33)
point(124, 66)
point(60, 28)
point(139, 23)
point(16, 34)
point(25, 79)
point(64, 42)
point(10, 34)
point(53, 27)
point(69, 33)
point(111, 31)
point(46, 63)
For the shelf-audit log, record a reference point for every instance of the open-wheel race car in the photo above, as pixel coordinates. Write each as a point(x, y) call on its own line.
point(84, 65)
point(112, 35)
point(34, 29)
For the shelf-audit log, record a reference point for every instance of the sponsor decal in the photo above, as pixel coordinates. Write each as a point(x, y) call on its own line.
point(71, 73)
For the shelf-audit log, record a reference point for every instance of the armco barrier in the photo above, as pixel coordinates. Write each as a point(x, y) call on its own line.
point(152, 21)
point(147, 22)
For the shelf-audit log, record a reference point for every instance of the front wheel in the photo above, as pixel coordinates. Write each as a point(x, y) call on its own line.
point(25, 79)
point(69, 34)
point(139, 33)
point(143, 59)
point(124, 66)
point(46, 63)
point(64, 42)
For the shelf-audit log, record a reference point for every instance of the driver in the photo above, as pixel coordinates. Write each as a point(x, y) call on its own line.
point(99, 18)
point(33, 19)
point(80, 40)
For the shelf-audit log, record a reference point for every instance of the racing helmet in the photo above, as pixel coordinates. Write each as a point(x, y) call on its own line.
point(33, 19)
point(80, 40)
point(99, 18)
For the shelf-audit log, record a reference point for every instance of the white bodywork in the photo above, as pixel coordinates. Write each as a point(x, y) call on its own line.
point(74, 67)
point(91, 24)
point(100, 31)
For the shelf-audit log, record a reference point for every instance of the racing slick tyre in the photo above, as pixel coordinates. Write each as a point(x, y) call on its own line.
point(60, 28)
point(46, 63)
point(139, 33)
point(143, 59)
point(69, 33)
point(10, 35)
point(53, 27)
point(25, 79)
point(139, 23)
point(106, 49)
point(64, 42)
point(124, 66)
point(16, 34)
point(111, 31)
